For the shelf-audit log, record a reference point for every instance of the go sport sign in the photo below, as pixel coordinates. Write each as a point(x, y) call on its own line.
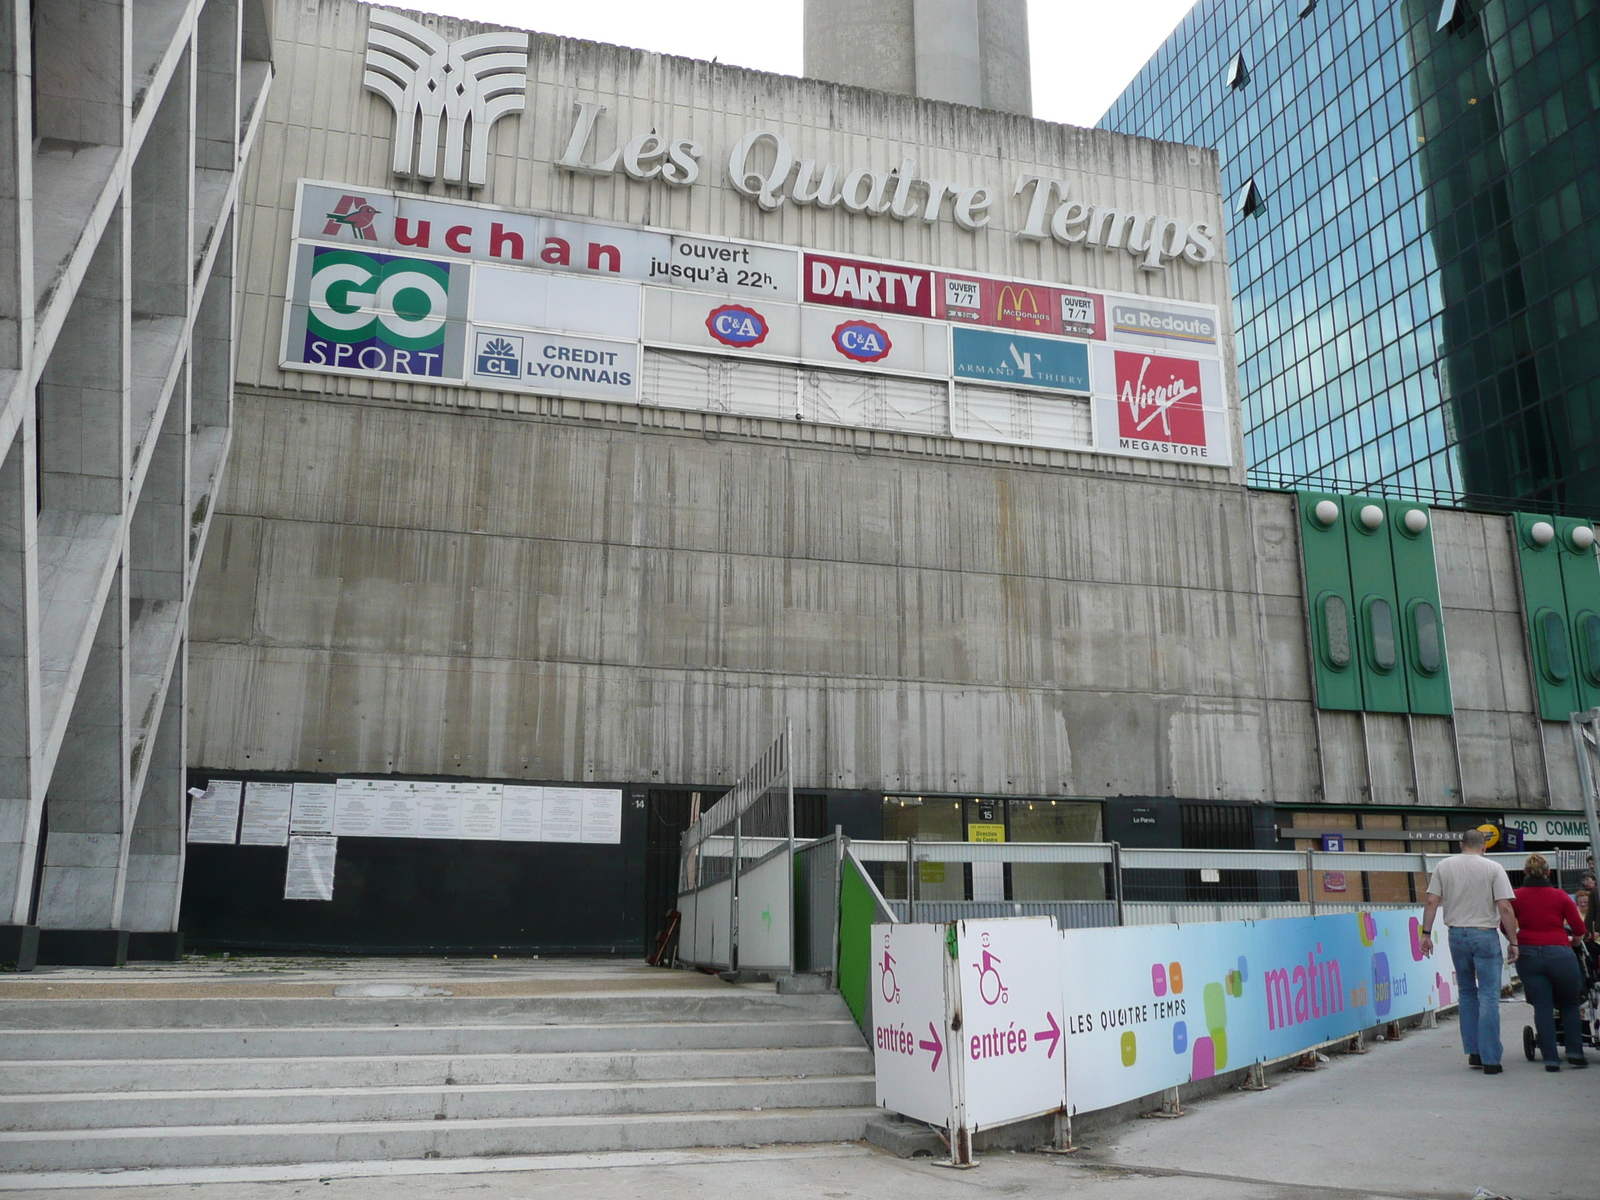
point(360, 313)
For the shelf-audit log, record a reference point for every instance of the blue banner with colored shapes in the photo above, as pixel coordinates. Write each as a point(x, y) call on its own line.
point(1152, 1007)
point(1019, 360)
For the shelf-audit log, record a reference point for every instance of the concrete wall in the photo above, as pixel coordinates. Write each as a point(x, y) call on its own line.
point(448, 581)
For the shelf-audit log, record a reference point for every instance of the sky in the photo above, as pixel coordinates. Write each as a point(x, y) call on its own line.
point(1084, 51)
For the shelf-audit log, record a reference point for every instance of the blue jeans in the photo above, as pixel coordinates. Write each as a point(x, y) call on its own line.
point(1477, 957)
point(1550, 978)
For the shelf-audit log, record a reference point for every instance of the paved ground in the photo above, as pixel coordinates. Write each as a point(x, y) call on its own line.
point(1405, 1120)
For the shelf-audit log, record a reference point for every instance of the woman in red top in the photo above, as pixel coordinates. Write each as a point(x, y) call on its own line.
point(1547, 925)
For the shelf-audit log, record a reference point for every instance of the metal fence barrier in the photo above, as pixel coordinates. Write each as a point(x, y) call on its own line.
point(1081, 885)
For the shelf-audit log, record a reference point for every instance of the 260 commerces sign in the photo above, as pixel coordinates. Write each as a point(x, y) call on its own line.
point(398, 287)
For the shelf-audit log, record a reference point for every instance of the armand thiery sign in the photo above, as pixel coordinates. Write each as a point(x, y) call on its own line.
point(392, 286)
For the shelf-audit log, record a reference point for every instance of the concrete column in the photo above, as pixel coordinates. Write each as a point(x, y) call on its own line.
point(85, 854)
point(21, 792)
point(155, 851)
point(963, 51)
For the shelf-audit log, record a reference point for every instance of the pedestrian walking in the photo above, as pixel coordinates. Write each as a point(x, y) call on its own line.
point(1548, 927)
point(1475, 893)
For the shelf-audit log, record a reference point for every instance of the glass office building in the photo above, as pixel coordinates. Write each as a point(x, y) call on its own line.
point(1414, 236)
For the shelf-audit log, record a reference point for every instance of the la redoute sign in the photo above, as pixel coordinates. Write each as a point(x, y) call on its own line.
point(476, 81)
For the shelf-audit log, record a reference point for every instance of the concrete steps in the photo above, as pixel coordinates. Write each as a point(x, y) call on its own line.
point(212, 1081)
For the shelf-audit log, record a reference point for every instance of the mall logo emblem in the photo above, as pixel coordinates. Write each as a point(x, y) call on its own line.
point(432, 83)
point(377, 312)
point(500, 355)
point(862, 341)
point(736, 325)
point(1158, 400)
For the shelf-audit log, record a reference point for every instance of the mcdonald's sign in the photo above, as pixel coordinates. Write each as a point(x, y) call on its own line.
point(1022, 307)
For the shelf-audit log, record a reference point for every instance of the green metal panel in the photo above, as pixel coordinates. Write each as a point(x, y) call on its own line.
point(1580, 580)
point(1416, 585)
point(1325, 558)
point(1380, 650)
point(1545, 611)
point(856, 911)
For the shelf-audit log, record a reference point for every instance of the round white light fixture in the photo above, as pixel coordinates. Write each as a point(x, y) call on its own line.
point(1327, 512)
point(1415, 520)
point(1542, 533)
point(1582, 537)
point(1372, 516)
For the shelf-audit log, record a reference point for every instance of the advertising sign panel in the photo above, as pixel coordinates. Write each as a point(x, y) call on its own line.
point(354, 312)
point(554, 364)
point(558, 303)
point(1160, 326)
point(1011, 1019)
point(1021, 304)
point(1571, 828)
point(909, 1030)
point(1160, 406)
point(831, 338)
point(876, 286)
point(721, 325)
point(1152, 1007)
point(1016, 360)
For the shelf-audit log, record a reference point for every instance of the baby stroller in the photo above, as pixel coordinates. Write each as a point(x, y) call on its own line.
point(1588, 1009)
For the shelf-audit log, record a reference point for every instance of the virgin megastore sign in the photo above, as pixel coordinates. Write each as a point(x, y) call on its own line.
point(387, 286)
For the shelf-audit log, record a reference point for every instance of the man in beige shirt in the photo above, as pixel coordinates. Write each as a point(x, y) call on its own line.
point(1475, 893)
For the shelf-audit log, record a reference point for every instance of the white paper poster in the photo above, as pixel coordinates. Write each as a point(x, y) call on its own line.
point(522, 813)
point(912, 1041)
point(602, 817)
point(397, 809)
point(356, 808)
point(266, 814)
point(214, 815)
point(563, 814)
point(438, 810)
point(1012, 1039)
point(480, 810)
point(311, 865)
point(312, 808)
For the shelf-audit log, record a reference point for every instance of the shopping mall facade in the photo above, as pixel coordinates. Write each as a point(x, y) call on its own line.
point(607, 411)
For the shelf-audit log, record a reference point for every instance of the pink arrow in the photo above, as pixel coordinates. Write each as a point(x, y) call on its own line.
point(1051, 1035)
point(936, 1046)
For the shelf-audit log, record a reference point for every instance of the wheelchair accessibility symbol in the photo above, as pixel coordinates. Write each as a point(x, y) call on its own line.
point(890, 986)
point(990, 986)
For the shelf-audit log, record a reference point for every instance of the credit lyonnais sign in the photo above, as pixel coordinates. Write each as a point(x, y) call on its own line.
point(390, 286)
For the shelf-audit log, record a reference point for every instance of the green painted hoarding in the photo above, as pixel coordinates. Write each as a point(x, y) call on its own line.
point(1376, 611)
point(1544, 600)
point(1326, 560)
point(1416, 585)
point(1372, 590)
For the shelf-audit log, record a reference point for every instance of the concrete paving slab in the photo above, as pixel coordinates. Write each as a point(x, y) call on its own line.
point(1408, 1118)
point(264, 976)
point(819, 1172)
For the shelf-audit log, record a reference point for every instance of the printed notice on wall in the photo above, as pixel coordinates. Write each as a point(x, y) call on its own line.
point(214, 815)
point(602, 817)
point(563, 814)
point(310, 872)
point(312, 808)
point(266, 814)
point(355, 812)
point(480, 810)
point(438, 811)
point(521, 813)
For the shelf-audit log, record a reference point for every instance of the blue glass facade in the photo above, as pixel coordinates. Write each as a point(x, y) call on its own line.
point(1416, 269)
